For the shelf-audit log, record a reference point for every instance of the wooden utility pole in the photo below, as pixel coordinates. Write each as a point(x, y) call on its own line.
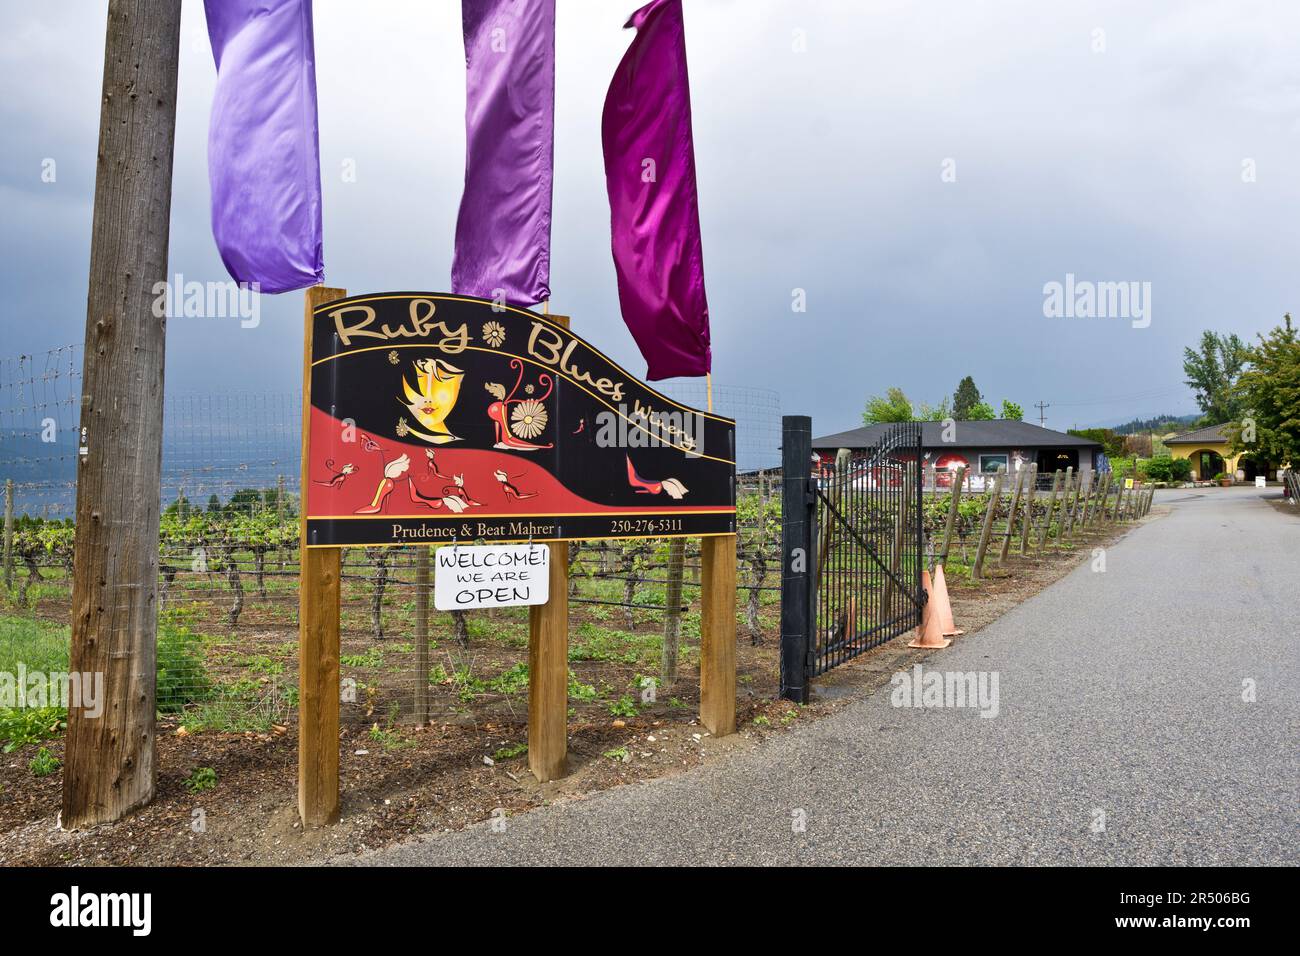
point(109, 760)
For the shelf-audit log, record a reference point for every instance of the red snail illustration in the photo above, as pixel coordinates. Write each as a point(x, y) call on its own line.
point(336, 477)
point(518, 420)
point(669, 486)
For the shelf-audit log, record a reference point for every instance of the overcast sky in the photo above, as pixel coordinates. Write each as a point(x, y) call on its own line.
point(1103, 139)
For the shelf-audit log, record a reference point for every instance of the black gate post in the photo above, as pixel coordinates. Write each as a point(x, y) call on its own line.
point(797, 555)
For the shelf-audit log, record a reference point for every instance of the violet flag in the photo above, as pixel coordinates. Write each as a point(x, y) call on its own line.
point(263, 143)
point(503, 232)
point(654, 211)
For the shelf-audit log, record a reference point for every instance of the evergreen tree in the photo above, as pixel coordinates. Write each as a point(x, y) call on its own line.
point(965, 398)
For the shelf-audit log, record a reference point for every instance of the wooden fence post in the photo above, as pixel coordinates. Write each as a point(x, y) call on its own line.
point(1028, 519)
point(673, 607)
point(987, 529)
point(421, 704)
point(319, 593)
point(1065, 527)
point(1051, 507)
point(954, 505)
point(1021, 474)
point(9, 534)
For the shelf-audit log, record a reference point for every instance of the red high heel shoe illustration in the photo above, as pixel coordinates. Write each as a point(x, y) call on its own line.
point(510, 490)
point(392, 471)
point(669, 486)
point(516, 420)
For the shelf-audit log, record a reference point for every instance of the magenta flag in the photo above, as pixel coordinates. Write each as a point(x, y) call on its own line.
point(503, 232)
point(654, 211)
point(263, 143)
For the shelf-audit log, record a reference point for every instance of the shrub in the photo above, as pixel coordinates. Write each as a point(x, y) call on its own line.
point(182, 673)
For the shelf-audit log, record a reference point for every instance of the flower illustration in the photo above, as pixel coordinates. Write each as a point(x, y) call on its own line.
point(392, 357)
point(494, 334)
point(529, 389)
point(528, 418)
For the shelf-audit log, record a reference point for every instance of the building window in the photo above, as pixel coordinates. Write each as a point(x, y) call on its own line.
point(989, 463)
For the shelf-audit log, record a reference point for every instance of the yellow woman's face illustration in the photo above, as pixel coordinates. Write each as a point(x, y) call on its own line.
point(438, 387)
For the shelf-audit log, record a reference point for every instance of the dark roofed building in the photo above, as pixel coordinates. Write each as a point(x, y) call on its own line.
point(980, 446)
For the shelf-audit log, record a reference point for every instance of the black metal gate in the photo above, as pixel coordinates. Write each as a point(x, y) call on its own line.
point(852, 541)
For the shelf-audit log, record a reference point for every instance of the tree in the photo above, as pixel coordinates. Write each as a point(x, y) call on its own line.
point(1011, 411)
point(1212, 371)
point(980, 412)
point(894, 407)
point(109, 768)
point(966, 397)
point(1269, 390)
point(934, 413)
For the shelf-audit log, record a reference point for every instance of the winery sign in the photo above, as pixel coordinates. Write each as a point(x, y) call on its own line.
point(437, 418)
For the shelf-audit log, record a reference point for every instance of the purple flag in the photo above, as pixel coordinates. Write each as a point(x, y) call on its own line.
point(263, 143)
point(654, 213)
point(503, 232)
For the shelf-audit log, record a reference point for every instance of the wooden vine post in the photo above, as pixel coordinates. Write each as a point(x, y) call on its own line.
point(319, 592)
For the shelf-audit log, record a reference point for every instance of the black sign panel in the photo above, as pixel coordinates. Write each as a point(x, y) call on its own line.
point(438, 418)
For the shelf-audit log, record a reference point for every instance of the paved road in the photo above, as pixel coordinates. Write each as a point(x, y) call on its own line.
point(1119, 692)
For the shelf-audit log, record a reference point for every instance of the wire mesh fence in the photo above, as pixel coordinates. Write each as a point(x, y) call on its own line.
point(228, 576)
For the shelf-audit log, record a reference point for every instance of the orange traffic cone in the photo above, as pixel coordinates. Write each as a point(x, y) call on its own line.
point(942, 606)
point(927, 635)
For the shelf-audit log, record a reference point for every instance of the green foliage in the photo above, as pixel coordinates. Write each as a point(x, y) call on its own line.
point(1167, 469)
point(510, 751)
point(182, 673)
point(964, 399)
point(20, 726)
point(618, 753)
point(1011, 411)
point(625, 706)
point(1212, 370)
point(894, 407)
point(1112, 443)
point(203, 778)
point(44, 763)
point(1270, 390)
point(981, 412)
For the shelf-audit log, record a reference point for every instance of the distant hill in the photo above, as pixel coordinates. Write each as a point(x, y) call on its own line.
point(1159, 424)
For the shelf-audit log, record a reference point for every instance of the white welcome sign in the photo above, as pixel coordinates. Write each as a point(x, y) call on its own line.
point(491, 575)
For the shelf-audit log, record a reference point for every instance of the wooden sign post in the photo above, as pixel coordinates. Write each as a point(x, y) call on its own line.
point(319, 592)
point(433, 419)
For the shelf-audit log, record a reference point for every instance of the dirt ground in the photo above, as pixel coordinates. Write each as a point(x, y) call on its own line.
point(459, 770)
